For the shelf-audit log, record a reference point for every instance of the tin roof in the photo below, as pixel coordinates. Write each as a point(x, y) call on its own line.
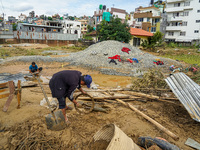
point(140, 32)
point(188, 93)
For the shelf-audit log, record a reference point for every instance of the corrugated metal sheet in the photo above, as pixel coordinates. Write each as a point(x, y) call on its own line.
point(188, 93)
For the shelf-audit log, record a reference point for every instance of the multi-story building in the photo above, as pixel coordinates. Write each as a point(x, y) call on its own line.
point(71, 27)
point(183, 17)
point(83, 26)
point(12, 19)
point(148, 18)
point(106, 14)
point(22, 17)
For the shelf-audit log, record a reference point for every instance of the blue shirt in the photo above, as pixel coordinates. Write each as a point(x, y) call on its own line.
point(33, 68)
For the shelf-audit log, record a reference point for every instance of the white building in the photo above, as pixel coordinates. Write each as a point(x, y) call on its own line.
point(183, 17)
point(72, 27)
point(22, 17)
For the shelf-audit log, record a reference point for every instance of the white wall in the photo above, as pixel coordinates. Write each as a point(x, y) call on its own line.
point(70, 27)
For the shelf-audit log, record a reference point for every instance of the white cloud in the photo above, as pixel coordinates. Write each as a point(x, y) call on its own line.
point(22, 7)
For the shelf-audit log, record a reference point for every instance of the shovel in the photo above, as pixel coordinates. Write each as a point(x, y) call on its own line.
point(55, 120)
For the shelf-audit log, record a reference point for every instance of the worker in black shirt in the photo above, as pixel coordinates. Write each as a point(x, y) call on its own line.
point(64, 83)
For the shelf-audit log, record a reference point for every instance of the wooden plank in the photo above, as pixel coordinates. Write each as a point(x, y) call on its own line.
point(12, 90)
point(4, 95)
point(3, 90)
point(19, 93)
point(109, 97)
point(3, 84)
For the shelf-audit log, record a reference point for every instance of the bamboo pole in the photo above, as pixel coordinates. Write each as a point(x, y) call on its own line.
point(150, 120)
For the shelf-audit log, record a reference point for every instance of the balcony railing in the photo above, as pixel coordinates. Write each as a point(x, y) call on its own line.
point(175, 18)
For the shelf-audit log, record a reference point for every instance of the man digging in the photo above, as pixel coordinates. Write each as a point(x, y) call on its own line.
point(64, 83)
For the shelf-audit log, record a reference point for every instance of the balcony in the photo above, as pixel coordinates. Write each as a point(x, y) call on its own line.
point(176, 18)
point(188, 8)
point(174, 28)
point(174, 9)
point(174, 1)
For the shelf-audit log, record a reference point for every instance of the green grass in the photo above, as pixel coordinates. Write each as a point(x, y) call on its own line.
point(190, 59)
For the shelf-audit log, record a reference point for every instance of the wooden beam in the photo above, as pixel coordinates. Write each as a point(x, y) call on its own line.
point(3, 84)
point(12, 90)
point(4, 90)
point(150, 120)
point(4, 95)
point(19, 90)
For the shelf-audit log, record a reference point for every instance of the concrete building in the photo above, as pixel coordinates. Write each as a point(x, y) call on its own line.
point(25, 27)
point(139, 36)
point(114, 12)
point(148, 18)
point(22, 17)
point(84, 24)
point(71, 27)
point(12, 19)
point(183, 17)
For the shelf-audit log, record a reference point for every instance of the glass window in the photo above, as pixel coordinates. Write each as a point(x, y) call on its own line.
point(196, 31)
point(157, 20)
point(148, 19)
point(177, 5)
point(182, 33)
point(140, 19)
point(197, 21)
point(153, 29)
point(198, 11)
point(187, 4)
point(171, 33)
point(186, 13)
point(184, 23)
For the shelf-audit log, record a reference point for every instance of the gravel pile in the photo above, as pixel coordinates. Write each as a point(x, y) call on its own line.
point(96, 57)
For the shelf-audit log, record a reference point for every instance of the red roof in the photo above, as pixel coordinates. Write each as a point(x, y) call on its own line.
point(140, 32)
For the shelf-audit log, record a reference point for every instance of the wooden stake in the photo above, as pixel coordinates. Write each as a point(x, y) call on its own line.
point(150, 120)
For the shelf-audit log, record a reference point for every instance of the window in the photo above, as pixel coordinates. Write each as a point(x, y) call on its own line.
point(67, 25)
point(177, 4)
point(182, 33)
point(171, 33)
point(184, 23)
point(176, 14)
point(148, 19)
point(140, 19)
point(157, 20)
point(196, 31)
point(153, 29)
point(187, 4)
point(198, 11)
point(186, 13)
point(58, 30)
point(174, 23)
point(197, 21)
point(29, 28)
point(78, 26)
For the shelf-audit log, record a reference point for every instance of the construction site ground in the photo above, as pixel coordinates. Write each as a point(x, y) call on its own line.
point(17, 125)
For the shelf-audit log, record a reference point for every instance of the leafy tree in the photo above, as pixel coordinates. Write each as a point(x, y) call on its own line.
point(155, 41)
point(49, 18)
point(14, 26)
point(90, 28)
point(114, 30)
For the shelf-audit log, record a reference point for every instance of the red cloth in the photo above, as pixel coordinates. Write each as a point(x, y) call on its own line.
point(115, 57)
point(131, 61)
point(125, 49)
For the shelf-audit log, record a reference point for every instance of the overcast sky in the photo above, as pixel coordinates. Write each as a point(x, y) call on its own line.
point(72, 7)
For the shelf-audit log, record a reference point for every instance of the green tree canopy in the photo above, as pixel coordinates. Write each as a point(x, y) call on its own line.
point(114, 30)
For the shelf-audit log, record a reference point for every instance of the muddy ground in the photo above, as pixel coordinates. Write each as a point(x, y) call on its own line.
point(26, 126)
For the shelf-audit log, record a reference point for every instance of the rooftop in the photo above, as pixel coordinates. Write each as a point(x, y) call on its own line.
point(140, 32)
